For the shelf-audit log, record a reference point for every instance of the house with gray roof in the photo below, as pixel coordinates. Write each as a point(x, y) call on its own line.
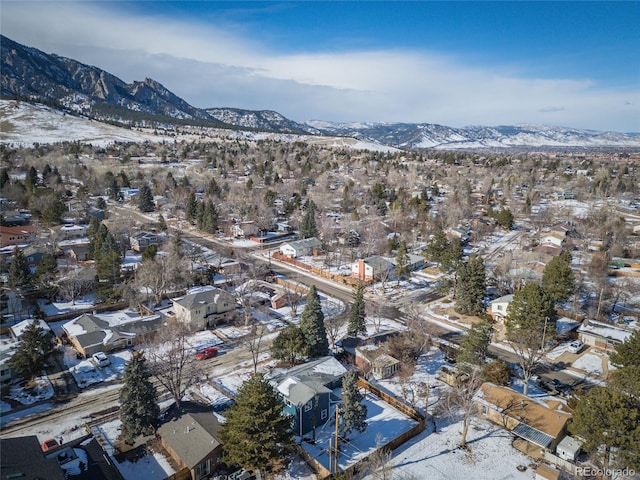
point(301, 248)
point(90, 334)
point(191, 438)
point(372, 268)
point(307, 391)
point(205, 307)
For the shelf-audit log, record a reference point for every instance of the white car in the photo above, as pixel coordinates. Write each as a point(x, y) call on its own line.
point(100, 359)
point(575, 346)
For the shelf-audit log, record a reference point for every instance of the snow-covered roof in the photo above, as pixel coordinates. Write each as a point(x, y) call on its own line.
point(605, 330)
point(18, 329)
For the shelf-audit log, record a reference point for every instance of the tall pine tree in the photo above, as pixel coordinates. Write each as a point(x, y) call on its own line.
point(403, 267)
point(138, 399)
point(353, 413)
point(145, 199)
point(357, 324)
point(471, 287)
point(19, 276)
point(308, 226)
point(312, 326)
point(257, 434)
point(32, 353)
point(557, 277)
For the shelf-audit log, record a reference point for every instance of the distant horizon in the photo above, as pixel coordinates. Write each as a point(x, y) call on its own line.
point(457, 64)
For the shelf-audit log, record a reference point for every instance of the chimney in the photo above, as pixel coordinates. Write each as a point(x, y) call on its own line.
point(361, 269)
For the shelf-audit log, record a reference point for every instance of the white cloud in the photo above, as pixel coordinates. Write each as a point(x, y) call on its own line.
point(210, 66)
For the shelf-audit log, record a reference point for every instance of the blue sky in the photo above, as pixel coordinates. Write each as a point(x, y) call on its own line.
point(574, 64)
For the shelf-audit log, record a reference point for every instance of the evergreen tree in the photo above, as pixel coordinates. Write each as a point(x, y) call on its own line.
point(312, 326)
point(357, 324)
point(289, 345)
point(557, 277)
point(32, 352)
point(209, 218)
point(471, 287)
point(505, 218)
point(403, 267)
point(145, 199)
point(257, 434)
point(436, 247)
point(47, 269)
point(19, 276)
point(607, 420)
point(531, 323)
point(308, 227)
point(452, 256)
point(353, 413)
point(138, 399)
point(31, 179)
point(626, 353)
point(474, 346)
point(52, 214)
point(162, 223)
point(192, 207)
point(4, 177)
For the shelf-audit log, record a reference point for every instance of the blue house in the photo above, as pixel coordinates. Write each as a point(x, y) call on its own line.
point(307, 391)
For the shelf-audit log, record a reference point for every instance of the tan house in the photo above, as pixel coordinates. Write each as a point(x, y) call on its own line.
point(540, 424)
point(602, 335)
point(371, 358)
point(204, 308)
point(143, 240)
point(301, 248)
point(192, 441)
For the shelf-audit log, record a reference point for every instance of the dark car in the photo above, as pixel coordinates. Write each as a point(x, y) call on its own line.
point(555, 387)
point(207, 353)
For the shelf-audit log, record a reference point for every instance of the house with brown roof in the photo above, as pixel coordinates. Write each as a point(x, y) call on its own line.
point(540, 424)
point(191, 438)
point(20, 235)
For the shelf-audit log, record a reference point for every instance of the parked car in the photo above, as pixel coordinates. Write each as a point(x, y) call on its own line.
point(100, 359)
point(49, 444)
point(209, 352)
point(555, 387)
point(575, 346)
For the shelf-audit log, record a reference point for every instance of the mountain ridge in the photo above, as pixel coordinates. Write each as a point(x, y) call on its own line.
point(32, 75)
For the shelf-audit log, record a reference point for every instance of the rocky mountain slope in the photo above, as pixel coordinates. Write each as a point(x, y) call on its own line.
point(63, 83)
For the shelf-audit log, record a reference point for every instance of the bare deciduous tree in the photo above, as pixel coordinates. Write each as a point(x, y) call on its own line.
point(171, 359)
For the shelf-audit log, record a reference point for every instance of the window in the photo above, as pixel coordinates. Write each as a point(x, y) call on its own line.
point(203, 469)
point(323, 414)
point(484, 410)
point(308, 405)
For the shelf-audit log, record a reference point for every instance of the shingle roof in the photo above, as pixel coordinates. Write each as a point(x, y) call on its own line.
point(22, 455)
point(192, 436)
point(211, 296)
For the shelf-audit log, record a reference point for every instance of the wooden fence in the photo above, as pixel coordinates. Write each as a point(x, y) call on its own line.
point(345, 280)
point(565, 465)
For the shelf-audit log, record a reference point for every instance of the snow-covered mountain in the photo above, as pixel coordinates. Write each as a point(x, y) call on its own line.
point(265, 120)
point(427, 135)
point(65, 84)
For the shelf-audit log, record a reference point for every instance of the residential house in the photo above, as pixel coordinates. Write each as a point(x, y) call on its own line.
point(192, 440)
point(602, 335)
point(20, 235)
point(220, 263)
point(372, 359)
point(18, 329)
point(244, 229)
point(22, 458)
point(205, 307)
point(69, 231)
point(371, 269)
point(416, 262)
point(7, 349)
point(111, 331)
point(301, 248)
point(307, 392)
point(143, 240)
point(540, 424)
point(76, 249)
point(498, 308)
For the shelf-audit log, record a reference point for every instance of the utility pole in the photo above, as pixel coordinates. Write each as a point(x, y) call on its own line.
point(336, 449)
